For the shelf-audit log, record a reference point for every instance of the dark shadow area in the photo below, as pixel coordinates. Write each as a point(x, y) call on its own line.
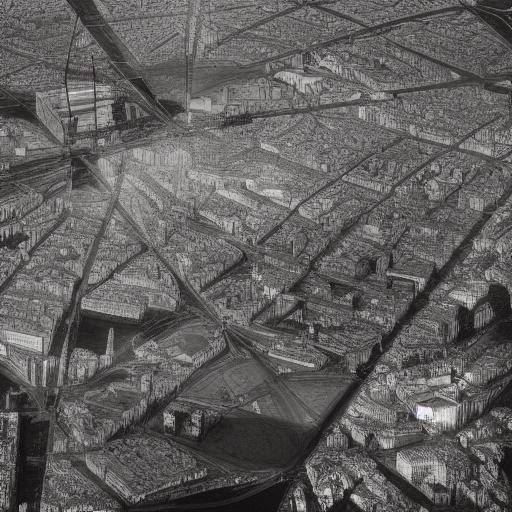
point(268, 500)
point(32, 461)
point(255, 443)
point(173, 108)
point(12, 242)
point(506, 463)
point(93, 333)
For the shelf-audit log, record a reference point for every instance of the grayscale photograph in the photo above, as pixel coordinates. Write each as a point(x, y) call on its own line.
point(255, 255)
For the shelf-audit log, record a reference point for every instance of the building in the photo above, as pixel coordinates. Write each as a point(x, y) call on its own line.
point(9, 442)
point(435, 470)
point(52, 108)
point(66, 489)
point(188, 420)
point(137, 467)
point(112, 307)
point(337, 439)
point(27, 340)
point(440, 411)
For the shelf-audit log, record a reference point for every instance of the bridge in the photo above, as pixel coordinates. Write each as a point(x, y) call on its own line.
point(120, 56)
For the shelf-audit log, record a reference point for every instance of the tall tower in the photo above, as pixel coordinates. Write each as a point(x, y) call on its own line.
point(107, 357)
point(110, 343)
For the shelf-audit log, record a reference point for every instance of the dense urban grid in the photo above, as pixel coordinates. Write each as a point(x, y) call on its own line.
point(256, 256)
